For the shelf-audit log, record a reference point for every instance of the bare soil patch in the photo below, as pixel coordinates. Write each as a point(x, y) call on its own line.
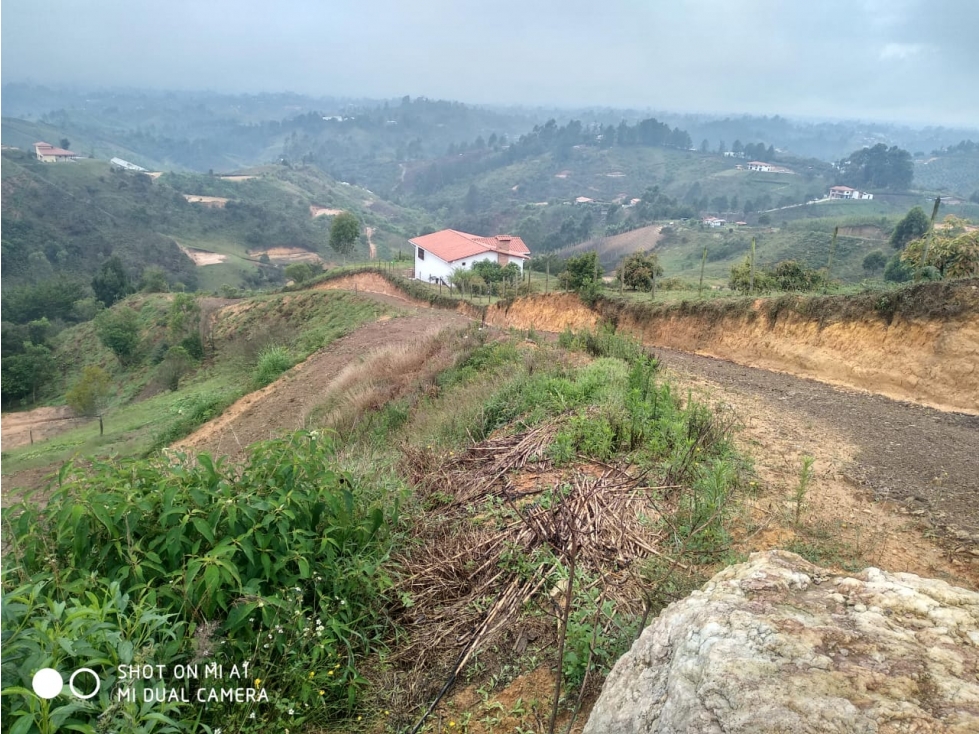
point(617, 246)
point(202, 257)
point(897, 483)
point(373, 284)
point(287, 255)
point(44, 423)
point(323, 211)
point(217, 202)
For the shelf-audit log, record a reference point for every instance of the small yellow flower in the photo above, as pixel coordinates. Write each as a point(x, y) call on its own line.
point(451, 724)
point(322, 692)
point(330, 672)
point(258, 682)
point(312, 674)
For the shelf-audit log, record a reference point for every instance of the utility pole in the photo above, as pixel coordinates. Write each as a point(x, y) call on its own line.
point(751, 277)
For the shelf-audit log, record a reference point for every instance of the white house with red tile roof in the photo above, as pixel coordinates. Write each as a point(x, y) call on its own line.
point(47, 153)
point(440, 254)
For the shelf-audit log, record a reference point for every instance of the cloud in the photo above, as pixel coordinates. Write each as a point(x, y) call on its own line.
point(901, 51)
point(834, 58)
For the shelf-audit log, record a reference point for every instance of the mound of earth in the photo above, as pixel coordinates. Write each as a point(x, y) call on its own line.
point(778, 644)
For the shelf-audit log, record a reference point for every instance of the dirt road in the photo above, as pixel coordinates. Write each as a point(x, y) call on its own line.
point(925, 460)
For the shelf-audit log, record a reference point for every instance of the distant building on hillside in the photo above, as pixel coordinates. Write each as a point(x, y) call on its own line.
point(713, 221)
point(760, 166)
point(440, 254)
point(47, 153)
point(120, 163)
point(845, 192)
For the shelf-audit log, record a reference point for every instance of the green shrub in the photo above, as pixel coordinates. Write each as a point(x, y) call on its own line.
point(272, 362)
point(118, 329)
point(89, 394)
point(282, 562)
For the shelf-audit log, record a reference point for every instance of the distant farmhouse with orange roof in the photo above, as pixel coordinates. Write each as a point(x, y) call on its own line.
point(47, 153)
point(440, 254)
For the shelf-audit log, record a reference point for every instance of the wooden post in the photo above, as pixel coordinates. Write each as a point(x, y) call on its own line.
point(101, 430)
point(931, 234)
point(32, 436)
point(547, 276)
point(751, 277)
point(703, 262)
point(832, 248)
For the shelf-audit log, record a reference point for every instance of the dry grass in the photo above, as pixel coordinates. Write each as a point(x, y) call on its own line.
point(366, 386)
point(503, 529)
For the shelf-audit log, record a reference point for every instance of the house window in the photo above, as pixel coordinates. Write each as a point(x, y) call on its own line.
point(463, 264)
point(421, 254)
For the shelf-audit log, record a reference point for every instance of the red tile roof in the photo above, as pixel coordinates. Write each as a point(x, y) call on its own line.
point(48, 149)
point(841, 188)
point(450, 245)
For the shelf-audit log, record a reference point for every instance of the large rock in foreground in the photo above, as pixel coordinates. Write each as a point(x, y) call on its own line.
point(780, 645)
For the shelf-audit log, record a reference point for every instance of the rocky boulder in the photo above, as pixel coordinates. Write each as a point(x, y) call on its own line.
point(778, 644)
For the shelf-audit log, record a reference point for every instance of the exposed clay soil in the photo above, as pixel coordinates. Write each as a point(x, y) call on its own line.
point(44, 423)
point(898, 465)
point(286, 403)
point(217, 202)
point(323, 211)
point(202, 257)
point(287, 255)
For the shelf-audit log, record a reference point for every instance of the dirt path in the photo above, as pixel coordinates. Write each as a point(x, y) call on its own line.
point(286, 403)
point(879, 460)
point(370, 242)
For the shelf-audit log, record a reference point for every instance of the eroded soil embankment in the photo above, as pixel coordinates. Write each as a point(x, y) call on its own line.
point(920, 344)
point(926, 356)
point(931, 362)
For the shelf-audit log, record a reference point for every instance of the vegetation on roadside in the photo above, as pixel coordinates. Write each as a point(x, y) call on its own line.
point(184, 369)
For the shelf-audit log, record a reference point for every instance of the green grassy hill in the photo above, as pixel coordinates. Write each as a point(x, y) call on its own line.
point(141, 411)
point(956, 174)
point(63, 221)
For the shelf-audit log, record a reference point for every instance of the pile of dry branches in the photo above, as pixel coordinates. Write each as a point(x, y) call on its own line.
point(498, 542)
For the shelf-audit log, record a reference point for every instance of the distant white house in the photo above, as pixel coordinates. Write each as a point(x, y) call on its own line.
point(47, 153)
point(845, 192)
point(760, 166)
point(713, 221)
point(440, 254)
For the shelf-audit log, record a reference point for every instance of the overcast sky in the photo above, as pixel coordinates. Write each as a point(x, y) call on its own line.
point(890, 60)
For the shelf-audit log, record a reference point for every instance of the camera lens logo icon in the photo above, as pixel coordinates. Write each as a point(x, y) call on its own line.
point(48, 683)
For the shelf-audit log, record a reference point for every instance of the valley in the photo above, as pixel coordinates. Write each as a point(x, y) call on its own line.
point(237, 427)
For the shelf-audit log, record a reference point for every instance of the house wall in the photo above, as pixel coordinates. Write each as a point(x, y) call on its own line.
point(54, 158)
point(431, 267)
point(435, 267)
